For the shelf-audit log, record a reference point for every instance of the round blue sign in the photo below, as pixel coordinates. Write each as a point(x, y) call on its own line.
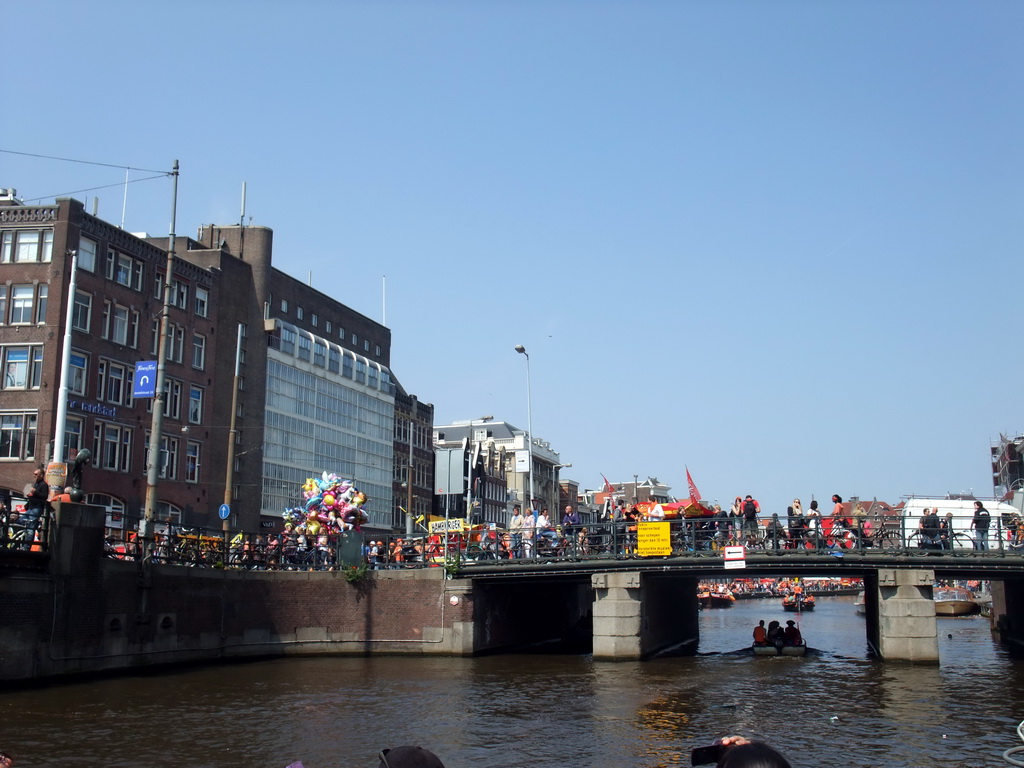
point(224, 511)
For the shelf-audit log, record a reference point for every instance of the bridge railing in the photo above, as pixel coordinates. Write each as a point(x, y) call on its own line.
point(689, 538)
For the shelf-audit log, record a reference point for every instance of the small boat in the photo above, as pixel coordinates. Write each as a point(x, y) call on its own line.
point(779, 650)
point(858, 604)
point(798, 603)
point(955, 601)
point(715, 599)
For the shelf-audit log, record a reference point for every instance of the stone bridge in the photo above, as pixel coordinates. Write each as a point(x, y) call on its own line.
point(70, 610)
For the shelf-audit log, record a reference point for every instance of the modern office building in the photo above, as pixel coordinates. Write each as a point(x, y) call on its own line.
point(262, 368)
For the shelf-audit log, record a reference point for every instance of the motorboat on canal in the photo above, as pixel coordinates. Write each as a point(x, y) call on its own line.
point(715, 598)
point(798, 603)
point(859, 604)
point(955, 601)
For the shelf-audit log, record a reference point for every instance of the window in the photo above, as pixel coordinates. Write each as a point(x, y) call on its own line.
point(179, 294)
point(42, 292)
point(298, 313)
point(169, 457)
point(175, 342)
point(124, 270)
point(284, 305)
point(195, 404)
point(319, 354)
point(112, 446)
point(172, 399)
point(360, 371)
point(3, 304)
point(288, 341)
point(202, 301)
point(304, 347)
point(73, 436)
point(341, 333)
point(377, 350)
point(17, 435)
point(366, 345)
point(333, 360)
point(87, 250)
point(79, 369)
point(193, 452)
point(26, 246)
point(112, 385)
point(314, 320)
point(21, 304)
point(198, 351)
point(327, 326)
point(120, 324)
point(355, 340)
point(81, 314)
point(22, 367)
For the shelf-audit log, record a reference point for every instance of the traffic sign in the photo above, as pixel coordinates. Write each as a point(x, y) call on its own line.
point(144, 383)
point(224, 511)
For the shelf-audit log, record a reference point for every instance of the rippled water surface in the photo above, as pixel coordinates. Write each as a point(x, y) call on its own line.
point(835, 708)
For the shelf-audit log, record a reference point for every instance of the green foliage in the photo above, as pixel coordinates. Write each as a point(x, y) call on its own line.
point(355, 574)
point(453, 563)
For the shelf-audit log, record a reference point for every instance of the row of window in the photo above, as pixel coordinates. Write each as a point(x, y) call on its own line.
point(332, 358)
point(23, 304)
point(24, 246)
point(314, 320)
point(120, 325)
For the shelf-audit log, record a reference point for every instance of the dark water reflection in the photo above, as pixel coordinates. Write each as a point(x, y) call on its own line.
point(833, 709)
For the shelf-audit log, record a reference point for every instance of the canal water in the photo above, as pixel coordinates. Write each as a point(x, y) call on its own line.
point(836, 707)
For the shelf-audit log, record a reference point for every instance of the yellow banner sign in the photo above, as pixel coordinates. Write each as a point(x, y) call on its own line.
point(653, 539)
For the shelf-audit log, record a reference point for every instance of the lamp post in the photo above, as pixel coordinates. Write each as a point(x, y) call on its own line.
point(529, 418)
point(557, 491)
point(153, 463)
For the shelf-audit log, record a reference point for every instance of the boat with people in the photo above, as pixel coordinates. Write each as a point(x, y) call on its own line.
point(955, 601)
point(798, 603)
point(776, 640)
point(780, 650)
point(715, 598)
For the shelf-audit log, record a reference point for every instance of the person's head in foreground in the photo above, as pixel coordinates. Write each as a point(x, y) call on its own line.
point(752, 754)
point(409, 757)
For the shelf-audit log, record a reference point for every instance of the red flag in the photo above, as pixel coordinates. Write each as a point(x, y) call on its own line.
point(694, 493)
point(607, 486)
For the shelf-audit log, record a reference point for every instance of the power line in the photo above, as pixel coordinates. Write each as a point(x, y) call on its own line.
point(85, 162)
point(92, 189)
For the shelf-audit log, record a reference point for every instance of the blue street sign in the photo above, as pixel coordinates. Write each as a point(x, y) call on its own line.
point(224, 511)
point(144, 383)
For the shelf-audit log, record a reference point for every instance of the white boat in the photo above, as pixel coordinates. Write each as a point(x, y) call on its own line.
point(955, 601)
point(858, 604)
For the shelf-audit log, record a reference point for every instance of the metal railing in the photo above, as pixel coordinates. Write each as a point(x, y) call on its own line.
point(688, 538)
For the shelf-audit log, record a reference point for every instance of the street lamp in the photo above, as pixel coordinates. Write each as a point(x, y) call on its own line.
point(555, 488)
point(529, 417)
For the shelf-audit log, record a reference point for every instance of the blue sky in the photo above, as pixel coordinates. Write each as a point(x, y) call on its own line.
point(776, 242)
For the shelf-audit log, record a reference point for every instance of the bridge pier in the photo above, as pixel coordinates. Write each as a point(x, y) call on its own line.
point(901, 614)
point(639, 614)
point(1008, 613)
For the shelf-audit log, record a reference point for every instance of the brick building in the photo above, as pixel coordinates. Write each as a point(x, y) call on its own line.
point(315, 392)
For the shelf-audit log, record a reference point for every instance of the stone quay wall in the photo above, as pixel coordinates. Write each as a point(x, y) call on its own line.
point(74, 611)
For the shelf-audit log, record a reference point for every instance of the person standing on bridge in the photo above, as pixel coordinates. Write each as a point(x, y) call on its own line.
point(980, 524)
point(515, 527)
point(750, 511)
